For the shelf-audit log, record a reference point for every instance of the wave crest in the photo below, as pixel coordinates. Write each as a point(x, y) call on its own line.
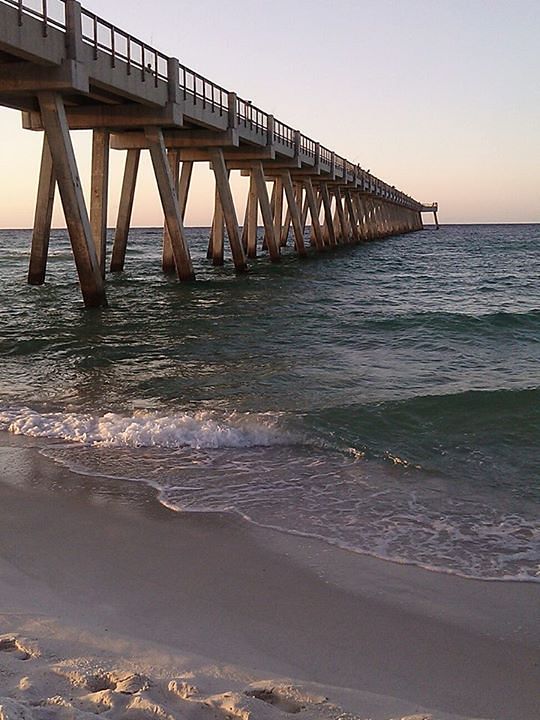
point(199, 430)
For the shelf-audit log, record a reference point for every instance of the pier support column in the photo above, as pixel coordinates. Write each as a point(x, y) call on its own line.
point(169, 202)
point(231, 221)
point(389, 211)
point(328, 219)
point(99, 194)
point(252, 216)
point(335, 217)
point(278, 208)
point(314, 210)
point(353, 220)
point(125, 209)
point(217, 233)
point(42, 218)
point(363, 219)
point(167, 257)
point(318, 200)
point(286, 227)
point(268, 221)
point(182, 181)
point(53, 116)
point(345, 235)
point(294, 214)
point(373, 219)
point(273, 211)
point(384, 220)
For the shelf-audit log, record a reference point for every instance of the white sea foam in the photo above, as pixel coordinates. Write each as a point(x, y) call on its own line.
point(148, 429)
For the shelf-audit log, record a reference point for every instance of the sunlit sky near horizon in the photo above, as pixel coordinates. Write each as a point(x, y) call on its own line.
point(440, 98)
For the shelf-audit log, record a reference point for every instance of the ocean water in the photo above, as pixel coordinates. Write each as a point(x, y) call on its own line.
point(383, 397)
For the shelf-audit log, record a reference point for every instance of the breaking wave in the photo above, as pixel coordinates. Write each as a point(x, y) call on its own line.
point(204, 429)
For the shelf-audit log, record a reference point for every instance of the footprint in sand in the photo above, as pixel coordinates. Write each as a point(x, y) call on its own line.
point(274, 697)
point(12, 645)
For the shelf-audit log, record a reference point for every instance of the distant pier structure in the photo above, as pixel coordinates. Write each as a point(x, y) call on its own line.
point(67, 69)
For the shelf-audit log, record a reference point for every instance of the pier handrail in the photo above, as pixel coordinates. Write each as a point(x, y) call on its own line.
point(200, 89)
point(284, 134)
point(151, 63)
point(251, 117)
point(41, 9)
point(308, 146)
point(325, 155)
point(103, 35)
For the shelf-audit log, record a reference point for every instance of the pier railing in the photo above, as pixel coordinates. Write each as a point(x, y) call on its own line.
point(251, 117)
point(308, 146)
point(284, 134)
point(50, 12)
point(137, 55)
point(154, 66)
point(202, 91)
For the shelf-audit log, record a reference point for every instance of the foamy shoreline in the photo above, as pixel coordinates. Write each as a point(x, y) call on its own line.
point(109, 603)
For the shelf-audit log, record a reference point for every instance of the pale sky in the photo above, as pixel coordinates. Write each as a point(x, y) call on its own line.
point(440, 98)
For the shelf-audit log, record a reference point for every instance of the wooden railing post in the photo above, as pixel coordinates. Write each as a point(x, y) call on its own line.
point(233, 111)
point(74, 37)
point(297, 143)
point(270, 130)
point(173, 80)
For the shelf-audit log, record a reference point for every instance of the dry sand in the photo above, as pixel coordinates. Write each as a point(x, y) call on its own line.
point(112, 605)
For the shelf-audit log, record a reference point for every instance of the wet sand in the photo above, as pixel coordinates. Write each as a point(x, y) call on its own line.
point(97, 579)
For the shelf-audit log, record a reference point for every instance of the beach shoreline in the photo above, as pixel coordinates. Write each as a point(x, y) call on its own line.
point(100, 569)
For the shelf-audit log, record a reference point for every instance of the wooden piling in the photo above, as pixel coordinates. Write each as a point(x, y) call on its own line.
point(182, 181)
point(252, 216)
point(353, 219)
point(231, 221)
point(169, 202)
point(42, 218)
point(345, 236)
point(53, 116)
point(167, 257)
point(294, 214)
point(99, 194)
point(286, 228)
point(314, 209)
point(217, 233)
point(278, 208)
point(268, 221)
point(328, 219)
point(125, 209)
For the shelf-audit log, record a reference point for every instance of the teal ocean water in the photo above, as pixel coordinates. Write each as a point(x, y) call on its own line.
point(385, 397)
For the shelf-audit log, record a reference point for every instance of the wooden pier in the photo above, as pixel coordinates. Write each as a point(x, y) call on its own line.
point(67, 69)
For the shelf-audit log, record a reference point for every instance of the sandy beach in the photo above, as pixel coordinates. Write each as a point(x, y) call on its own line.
point(111, 604)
